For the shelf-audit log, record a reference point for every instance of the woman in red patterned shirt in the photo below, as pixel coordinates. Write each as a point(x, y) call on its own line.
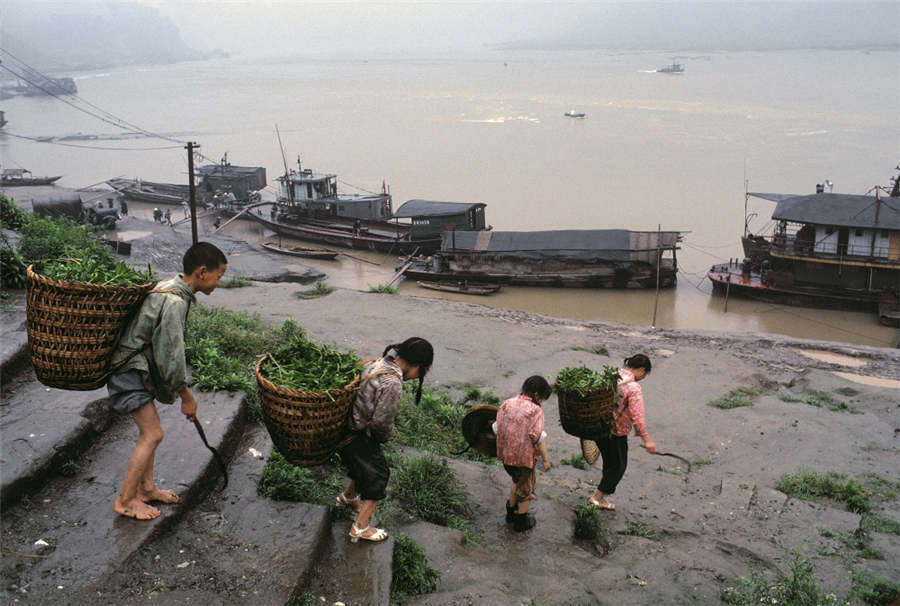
point(520, 438)
point(629, 413)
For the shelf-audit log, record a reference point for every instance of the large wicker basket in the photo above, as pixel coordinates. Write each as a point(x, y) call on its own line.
point(589, 415)
point(306, 427)
point(73, 328)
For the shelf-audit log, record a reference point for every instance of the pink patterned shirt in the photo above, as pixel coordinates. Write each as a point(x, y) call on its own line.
point(519, 425)
point(630, 411)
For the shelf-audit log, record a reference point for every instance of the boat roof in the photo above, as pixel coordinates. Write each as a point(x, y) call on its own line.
point(308, 175)
point(843, 210)
point(572, 240)
point(229, 170)
point(772, 197)
point(430, 208)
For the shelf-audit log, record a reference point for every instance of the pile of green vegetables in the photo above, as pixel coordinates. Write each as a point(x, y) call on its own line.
point(303, 365)
point(95, 270)
point(583, 380)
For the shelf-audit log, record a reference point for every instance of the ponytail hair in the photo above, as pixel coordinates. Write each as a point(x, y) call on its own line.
point(416, 351)
point(639, 361)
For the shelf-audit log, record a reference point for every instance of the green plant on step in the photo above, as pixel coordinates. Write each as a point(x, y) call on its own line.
point(808, 484)
point(319, 290)
point(411, 573)
point(589, 522)
point(798, 588)
point(427, 487)
point(283, 481)
point(872, 590)
point(736, 398)
point(576, 460)
point(385, 289)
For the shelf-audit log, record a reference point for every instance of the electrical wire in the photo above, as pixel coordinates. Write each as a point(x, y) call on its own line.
point(374, 193)
point(103, 148)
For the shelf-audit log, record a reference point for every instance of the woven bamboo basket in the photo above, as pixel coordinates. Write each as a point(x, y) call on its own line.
point(306, 427)
point(476, 429)
point(73, 328)
point(589, 415)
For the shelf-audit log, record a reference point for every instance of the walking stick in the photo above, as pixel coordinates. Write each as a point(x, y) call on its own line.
point(216, 455)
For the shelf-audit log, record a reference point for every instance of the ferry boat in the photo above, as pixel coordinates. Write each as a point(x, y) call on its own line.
point(575, 258)
point(827, 250)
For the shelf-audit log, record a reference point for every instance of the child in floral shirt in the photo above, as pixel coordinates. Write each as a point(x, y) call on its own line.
point(520, 439)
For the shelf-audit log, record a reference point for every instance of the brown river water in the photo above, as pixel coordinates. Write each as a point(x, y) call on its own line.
point(654, 150)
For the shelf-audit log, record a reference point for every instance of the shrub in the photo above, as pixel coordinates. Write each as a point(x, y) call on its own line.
point(11, 216)
point(806, 484)
point(412, 575)
point(427, 487)
point(284, 481)
point(12, 267)
point(589, 522)
point(47, 238)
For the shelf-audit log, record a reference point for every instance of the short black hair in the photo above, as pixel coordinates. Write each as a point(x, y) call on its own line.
point(202, 254)
point(639, 361)
point(536, 385)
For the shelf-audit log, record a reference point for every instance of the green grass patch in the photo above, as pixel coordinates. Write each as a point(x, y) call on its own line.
point(589, 523)
point(320, 289)
point(736, 398)
point(476, 395)
point(434, 425)
point(882, 524)
point(427, 487)
point(385, 289)
point(283, 481)
point(821, 399)
point(797, 588)
point(576, 460)
point(412, 575)
point(702, 462)
point(872, 590)
point(807, 484)
point(637, 528)
point(236, 282)
point(882, 488)
point(859, 542)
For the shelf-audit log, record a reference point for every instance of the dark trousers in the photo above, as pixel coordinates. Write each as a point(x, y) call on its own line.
point(614, 452)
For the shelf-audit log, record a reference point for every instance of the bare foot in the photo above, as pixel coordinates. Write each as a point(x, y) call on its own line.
point(156, 494)
point(136, 509)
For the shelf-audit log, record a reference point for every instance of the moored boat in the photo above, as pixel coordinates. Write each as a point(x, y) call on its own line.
point(300, 251)
point(13, 177)
point(461, 287)
point(574, 114)
point(673, 68)
point(611, 258)
point(827, 250)
point(151, 192)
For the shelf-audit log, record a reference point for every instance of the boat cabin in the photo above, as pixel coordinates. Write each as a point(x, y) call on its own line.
point(430, 218)
point(242, 181)
point(317, 193)
point(838, 236)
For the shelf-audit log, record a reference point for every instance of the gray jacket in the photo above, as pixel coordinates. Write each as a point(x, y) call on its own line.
point(157, 333)
point(378, 399)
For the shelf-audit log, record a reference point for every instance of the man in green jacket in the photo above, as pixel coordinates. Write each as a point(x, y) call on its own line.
point(154, 368)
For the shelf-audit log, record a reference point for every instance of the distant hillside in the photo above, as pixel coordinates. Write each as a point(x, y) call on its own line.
point(72, 35)
point(732, 26)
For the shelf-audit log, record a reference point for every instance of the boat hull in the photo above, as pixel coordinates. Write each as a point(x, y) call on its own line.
point(616, 278)
point(461, 287)
point(298, 251)
point(31, 181)
point(333, 237)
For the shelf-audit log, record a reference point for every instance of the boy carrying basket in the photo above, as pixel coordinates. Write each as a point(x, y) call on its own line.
point(154, 368)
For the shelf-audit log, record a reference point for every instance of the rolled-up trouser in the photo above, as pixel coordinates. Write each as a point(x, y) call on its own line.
point(614, 452)
point(366, 466)
point(524, 480)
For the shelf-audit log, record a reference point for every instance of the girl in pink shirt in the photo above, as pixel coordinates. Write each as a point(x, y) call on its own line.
point(520, 439)
point(629, 413)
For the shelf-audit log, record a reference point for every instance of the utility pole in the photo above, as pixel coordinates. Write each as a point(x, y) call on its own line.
point(190, 147)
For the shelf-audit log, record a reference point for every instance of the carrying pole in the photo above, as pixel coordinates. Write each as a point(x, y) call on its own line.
point(190, 147)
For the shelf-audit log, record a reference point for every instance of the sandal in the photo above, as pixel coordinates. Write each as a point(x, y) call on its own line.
point(342, 499)
point(357, 533)
point(605, 505)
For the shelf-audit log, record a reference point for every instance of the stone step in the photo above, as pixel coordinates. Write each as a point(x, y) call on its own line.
point(13, 340)
point(357, 574)
point(43, 430)
point(84, 539)
point(235, 547)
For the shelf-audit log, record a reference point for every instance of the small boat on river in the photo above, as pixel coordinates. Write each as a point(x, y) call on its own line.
point(152, 193)
point(574, 114)
point(13, 177)
point(462, 287)
point(674, 68)
point(299, 251)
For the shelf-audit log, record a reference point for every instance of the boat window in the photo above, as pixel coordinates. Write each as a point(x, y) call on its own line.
point(859, 232)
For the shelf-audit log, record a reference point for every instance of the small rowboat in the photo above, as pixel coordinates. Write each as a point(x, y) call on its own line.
point(461, 287)
point(299, 251)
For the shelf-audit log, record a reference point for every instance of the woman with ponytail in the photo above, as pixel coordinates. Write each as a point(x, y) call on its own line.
point(372, 422)
point(629, 413)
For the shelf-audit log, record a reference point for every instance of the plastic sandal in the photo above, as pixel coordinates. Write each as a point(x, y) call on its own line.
point(607, 506)
point(357, 533)
point(341, 499)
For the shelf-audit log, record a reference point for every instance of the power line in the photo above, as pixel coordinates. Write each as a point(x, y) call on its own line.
point(37, 140)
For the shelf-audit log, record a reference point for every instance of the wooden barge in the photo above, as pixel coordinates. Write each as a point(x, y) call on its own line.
point(611, 258)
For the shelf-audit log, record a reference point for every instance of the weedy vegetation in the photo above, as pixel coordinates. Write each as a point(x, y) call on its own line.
point(807, 484)
point(319, 290)
point(589, 523)
point(636, 528)
point(872, 590)
point(412, 574)
point(798, 588)
point(236, 282)
point(736, 398)
point(576, 460)
point(427, 487)
point(283, 481)
point(583, 380)
point(882, 524)
point(385, 289)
